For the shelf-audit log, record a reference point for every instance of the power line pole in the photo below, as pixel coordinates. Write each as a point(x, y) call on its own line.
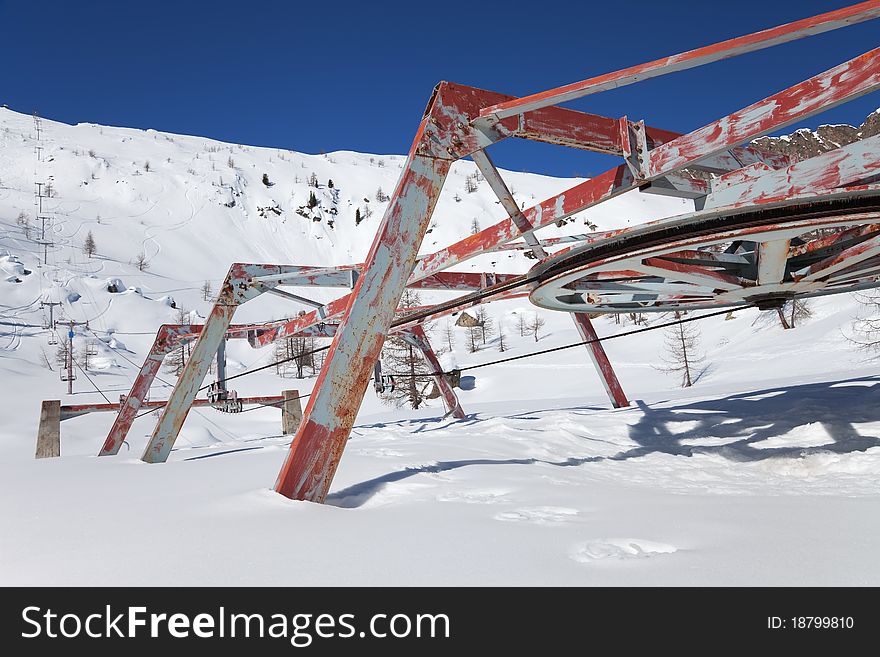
point(46, 244)
point(40, 196)
point(38, 124)
point(43, 226)
point(51, 305)
point(70, 375)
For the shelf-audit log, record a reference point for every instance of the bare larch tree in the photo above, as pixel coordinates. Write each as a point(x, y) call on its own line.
point(404, 362)
point(681, 341)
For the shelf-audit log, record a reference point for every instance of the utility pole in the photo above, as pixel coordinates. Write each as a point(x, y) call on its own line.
point(38, 124)
point(70, 375)
point(51, 305)
point(40, 195)
point(43, 226)
point(46, 244)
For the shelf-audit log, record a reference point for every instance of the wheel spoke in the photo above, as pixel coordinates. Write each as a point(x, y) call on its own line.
point(772, 259)
point(843, 260)
point(674, 271)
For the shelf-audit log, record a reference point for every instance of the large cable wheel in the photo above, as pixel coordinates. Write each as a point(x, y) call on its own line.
point(720, 258)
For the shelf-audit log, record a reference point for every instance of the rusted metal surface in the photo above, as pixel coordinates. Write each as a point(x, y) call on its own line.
point(70, 411)
point(192, 376)
point(600, 360)
point(580, 197)
point(166, 339)
point(772, 256)
point(330, 413)
point(816, 176)
point(849, 80)
point(835, 253)
point(236, 289)
point(417, 337)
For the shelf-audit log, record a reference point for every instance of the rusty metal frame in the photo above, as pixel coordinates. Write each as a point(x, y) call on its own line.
point(463, 121)
point(417, 337)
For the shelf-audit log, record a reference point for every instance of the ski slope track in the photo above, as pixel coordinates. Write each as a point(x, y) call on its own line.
point(764, 472)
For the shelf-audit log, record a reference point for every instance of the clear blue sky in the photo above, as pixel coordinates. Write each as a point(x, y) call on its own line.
point(314, 76)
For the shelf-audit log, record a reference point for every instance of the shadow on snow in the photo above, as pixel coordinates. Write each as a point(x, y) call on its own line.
point(740, 420)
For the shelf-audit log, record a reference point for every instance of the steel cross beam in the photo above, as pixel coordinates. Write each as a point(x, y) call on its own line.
point(855, 77)
point(416, 336)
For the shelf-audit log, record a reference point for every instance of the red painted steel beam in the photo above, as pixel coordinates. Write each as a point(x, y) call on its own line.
point(317, 447)
point(857, 232)
point(853, 255)
point(844, 82)
point(575, 129)
point(732, 47)
point(236, 289)
point(162, 344)
point(710, 278)
point(333, 310)
point(453, 307)
point(822, 173)
point(457, 281)
point(416, 336)
point(580, 197)
point(443, 281)
point(600, 360)
point(167, 338)
point(849, 80)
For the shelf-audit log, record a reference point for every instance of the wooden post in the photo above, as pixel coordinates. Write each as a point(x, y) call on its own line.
point(291, 412)
point(49, 433)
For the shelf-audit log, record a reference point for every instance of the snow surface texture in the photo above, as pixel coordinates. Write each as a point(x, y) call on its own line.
point(765, 472)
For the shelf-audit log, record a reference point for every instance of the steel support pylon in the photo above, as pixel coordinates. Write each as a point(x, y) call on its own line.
point(139, 390)
point(330, 413)
point(236, 290)
point(600, 360)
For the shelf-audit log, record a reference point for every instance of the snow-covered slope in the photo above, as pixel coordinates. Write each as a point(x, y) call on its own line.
point(764, 471)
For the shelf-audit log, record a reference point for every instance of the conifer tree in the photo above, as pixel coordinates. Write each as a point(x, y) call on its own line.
point(89, 247)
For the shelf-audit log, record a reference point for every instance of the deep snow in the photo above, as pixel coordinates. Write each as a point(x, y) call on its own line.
point(765, 472)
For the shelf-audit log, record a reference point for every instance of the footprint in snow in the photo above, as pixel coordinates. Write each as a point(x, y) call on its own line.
point(539, 515)
point(620, 549)
point(474, 496)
